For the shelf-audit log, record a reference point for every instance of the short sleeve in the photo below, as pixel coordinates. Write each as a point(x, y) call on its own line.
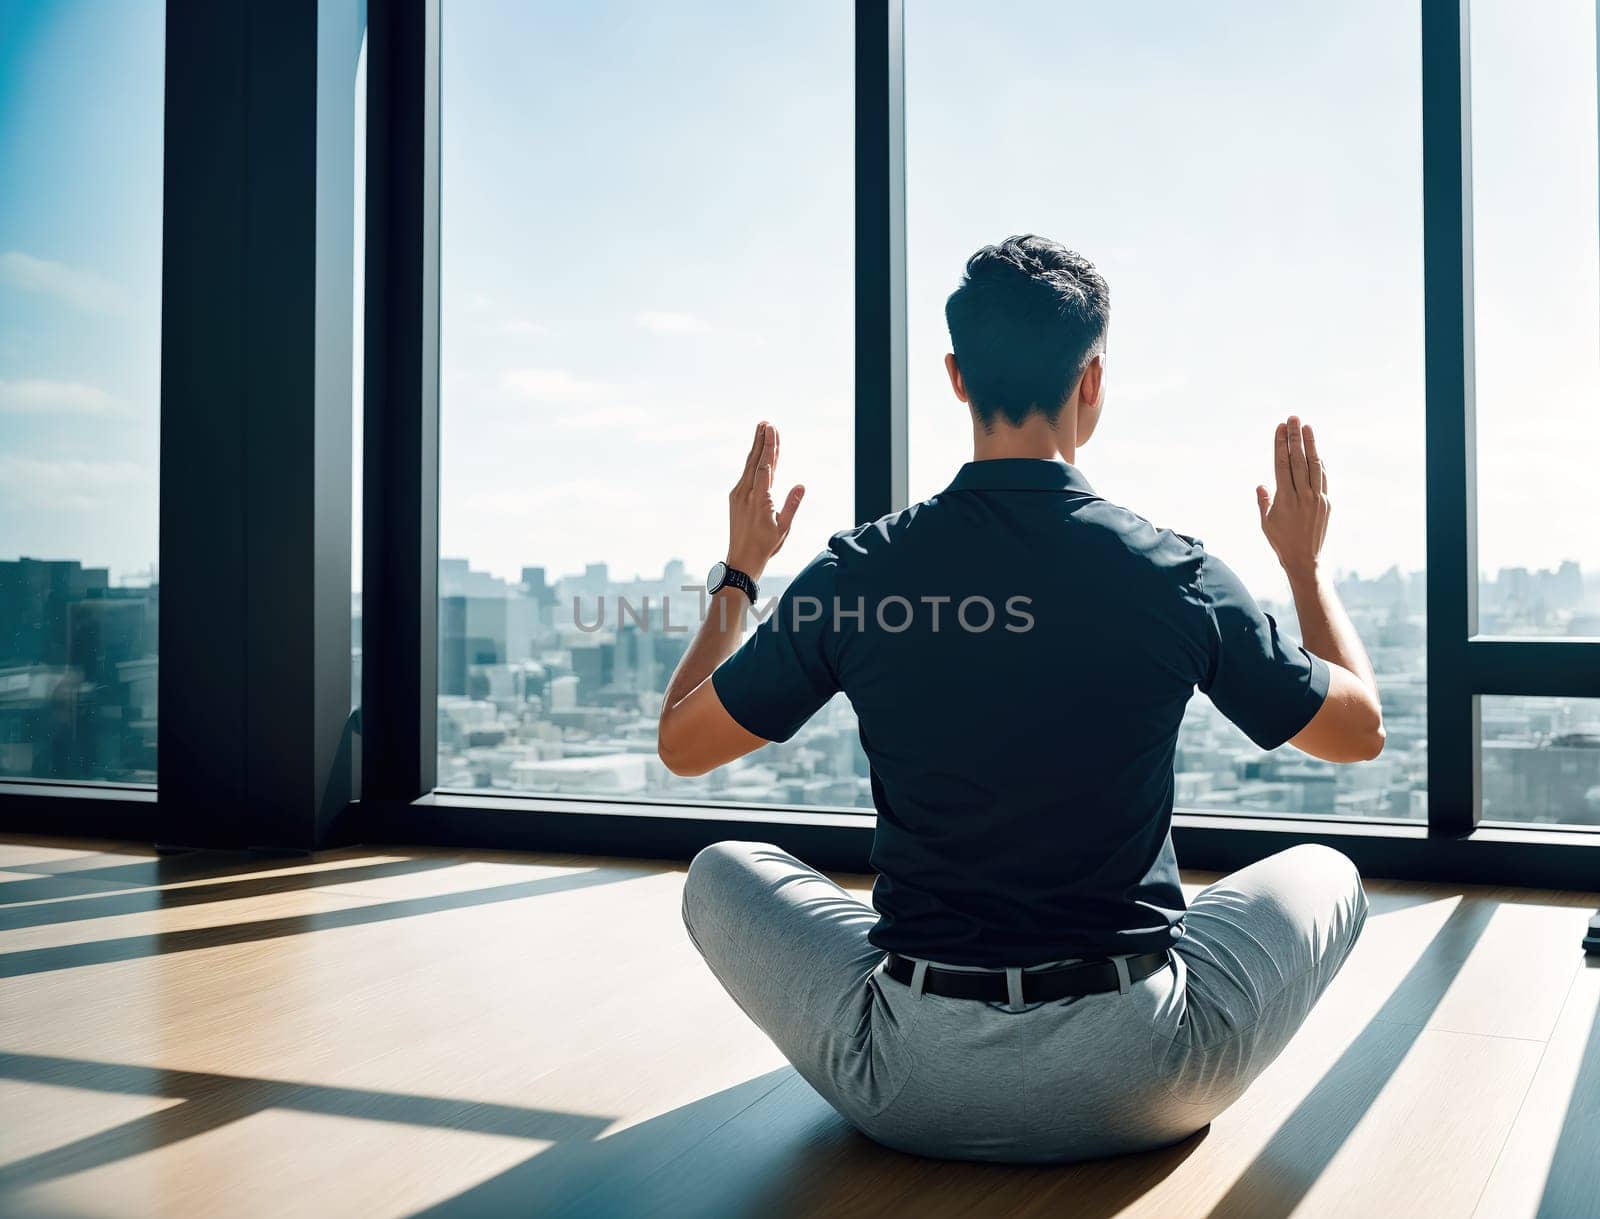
point(782, 675)
point(1268, 685)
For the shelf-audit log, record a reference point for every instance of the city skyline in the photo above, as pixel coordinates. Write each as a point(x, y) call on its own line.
point(534, 702)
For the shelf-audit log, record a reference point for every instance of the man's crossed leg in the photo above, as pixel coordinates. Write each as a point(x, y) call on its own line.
point(1066, 1080)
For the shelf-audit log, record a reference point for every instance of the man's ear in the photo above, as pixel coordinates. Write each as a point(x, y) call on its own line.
point(956, 383)
point(1091, 397)
point(1089, 388)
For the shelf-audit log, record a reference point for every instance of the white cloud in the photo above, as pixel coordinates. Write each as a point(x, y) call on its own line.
point(37, 397)
point(70, 486)
point(80, 289)
point(552, 385)
point(522, 328)
point(693, 428)
point(605, 417)
point(673, 323)
point(605, 495)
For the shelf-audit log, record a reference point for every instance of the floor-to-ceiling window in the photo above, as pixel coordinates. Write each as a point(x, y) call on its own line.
point(1536, 304)
point(646, 248)
point(1259, 219)
point(81, 91)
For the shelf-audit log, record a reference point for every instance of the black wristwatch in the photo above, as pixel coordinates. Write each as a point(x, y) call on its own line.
point(722, 576)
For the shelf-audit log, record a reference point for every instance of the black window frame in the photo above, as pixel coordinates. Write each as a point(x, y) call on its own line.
point(394, 735)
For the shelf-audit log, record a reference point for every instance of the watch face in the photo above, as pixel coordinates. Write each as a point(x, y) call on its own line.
point(719, 573)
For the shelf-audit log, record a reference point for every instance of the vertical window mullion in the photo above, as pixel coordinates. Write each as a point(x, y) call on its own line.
point(255, 423)
point(1453, 726)
point(400, 582)
point(881, 464)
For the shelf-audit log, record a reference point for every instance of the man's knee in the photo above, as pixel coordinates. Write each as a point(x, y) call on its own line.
point(1341, 873)
point(719, 864)
point(715, 877)
point(1335, 880)
point(1311, 893)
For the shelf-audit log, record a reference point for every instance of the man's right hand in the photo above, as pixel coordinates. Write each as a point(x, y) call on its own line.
point(1294, 516)
point(1348, 727)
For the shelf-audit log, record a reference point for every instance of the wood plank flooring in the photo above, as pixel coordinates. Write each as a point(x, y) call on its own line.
point(392, 1032)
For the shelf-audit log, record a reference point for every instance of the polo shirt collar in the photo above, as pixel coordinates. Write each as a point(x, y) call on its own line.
point(1021, 474)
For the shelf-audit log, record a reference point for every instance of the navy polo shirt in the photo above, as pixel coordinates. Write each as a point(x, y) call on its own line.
point(1019, 652)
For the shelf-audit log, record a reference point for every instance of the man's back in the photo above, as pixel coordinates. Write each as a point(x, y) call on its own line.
point(1019, 653)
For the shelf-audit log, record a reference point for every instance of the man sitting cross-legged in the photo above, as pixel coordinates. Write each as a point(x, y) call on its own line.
point(1028, 984)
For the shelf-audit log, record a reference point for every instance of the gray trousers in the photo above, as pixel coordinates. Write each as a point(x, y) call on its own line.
point(1066, 1080)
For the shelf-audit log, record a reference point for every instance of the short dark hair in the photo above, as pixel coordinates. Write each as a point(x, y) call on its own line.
point(1025, 321)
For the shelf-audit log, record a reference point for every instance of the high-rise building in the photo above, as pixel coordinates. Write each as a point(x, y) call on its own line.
point(77, 673)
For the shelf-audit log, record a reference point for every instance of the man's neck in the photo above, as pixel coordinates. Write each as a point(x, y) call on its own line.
point(1035, 439)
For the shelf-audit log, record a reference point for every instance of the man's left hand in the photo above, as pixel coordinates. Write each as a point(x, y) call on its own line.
point(756, 526)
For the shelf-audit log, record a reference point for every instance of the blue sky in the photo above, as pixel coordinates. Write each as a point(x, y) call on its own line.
point(648, 238)
point(647, 246)
point(80, 280)
point(1258, 216)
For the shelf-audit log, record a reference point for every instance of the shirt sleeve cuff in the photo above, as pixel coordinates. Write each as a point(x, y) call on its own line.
point(745, 715)
point(1314, 694)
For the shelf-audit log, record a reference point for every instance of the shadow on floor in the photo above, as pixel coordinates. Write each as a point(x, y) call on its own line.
point(1283, 1172)
point(766, 1147)
point(211, 1101)
point(60, 879)
point(1573, 1186)
point(772, 1147)
point(138, 901)
point(100, 952)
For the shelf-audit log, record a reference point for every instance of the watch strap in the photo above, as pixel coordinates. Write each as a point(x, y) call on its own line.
point(732, 577)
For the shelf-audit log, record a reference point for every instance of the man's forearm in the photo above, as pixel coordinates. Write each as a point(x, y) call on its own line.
point(1325, 628)
point(696, 733)
point(713, 643)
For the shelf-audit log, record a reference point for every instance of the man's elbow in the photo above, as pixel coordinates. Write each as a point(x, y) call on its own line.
point(1371, 744)
point(1367, 741)
point(671, 752)
point(1353, 733)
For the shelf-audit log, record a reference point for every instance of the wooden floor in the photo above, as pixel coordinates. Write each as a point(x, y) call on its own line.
point(387, 1033)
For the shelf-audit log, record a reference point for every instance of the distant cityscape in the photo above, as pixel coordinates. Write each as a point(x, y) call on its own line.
point(543, 691)
point(77, 673)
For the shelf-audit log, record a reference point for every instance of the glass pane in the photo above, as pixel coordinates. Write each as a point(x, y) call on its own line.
point(358, 301)
point(1536, 264)
point(1541, 759)
point(647, 220)
point(80, 308)
point(1202, 156)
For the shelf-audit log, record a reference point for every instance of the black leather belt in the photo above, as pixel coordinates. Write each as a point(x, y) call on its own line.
point(1038, 986)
